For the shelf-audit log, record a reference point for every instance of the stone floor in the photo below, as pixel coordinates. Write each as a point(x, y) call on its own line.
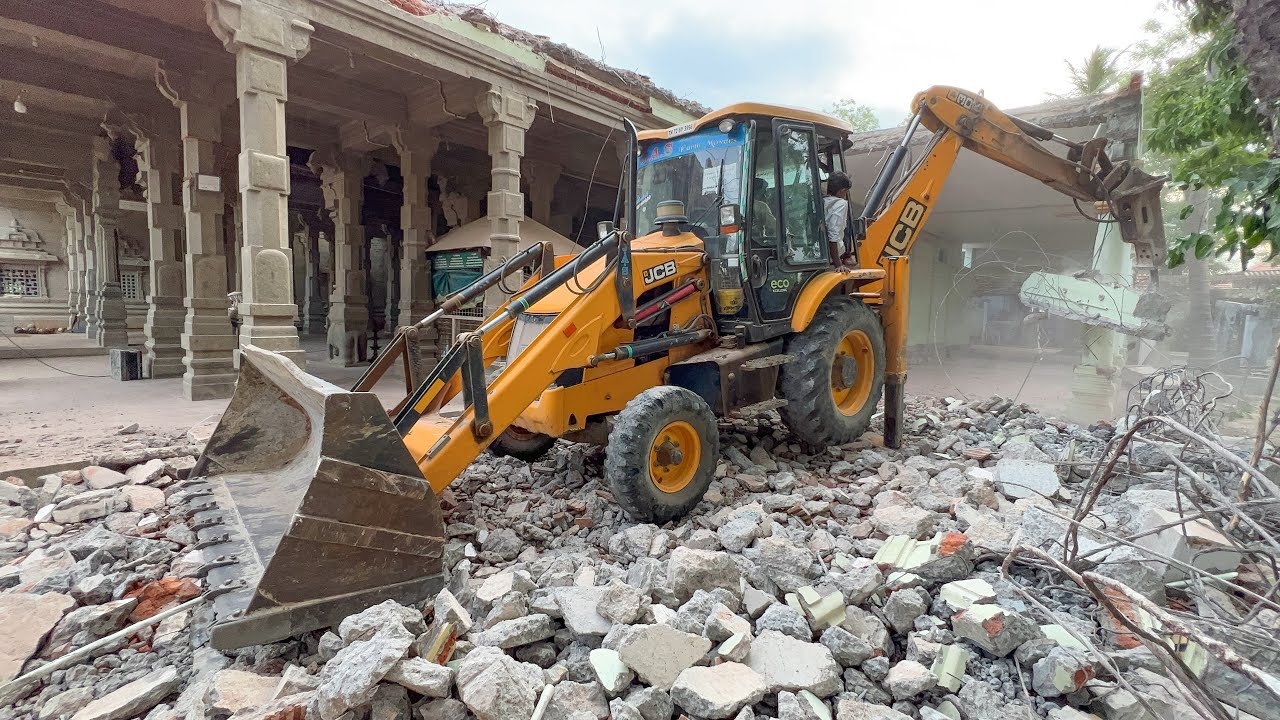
point(57, 405)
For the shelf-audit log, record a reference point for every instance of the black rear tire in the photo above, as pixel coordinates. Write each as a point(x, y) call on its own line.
point(811, 382)
point(662, 454)
point(522, 444)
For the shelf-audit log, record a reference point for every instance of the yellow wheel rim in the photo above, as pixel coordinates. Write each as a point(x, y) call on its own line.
point(851, 372)
point(674, 457)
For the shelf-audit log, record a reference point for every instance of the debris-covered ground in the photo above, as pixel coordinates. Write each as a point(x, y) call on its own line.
point(937, 581)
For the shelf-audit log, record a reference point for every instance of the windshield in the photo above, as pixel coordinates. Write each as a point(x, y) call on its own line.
point(702, 170)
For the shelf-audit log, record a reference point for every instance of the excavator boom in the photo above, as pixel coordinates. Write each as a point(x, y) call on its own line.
point(895, 216)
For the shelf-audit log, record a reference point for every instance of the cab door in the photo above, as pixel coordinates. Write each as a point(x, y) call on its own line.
point(786, 244)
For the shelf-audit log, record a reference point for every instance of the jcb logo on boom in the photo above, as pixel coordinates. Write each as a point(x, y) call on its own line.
point(967, 102)
point(659, 272)
point(903, 232)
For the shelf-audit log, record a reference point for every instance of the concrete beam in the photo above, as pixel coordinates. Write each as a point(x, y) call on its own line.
point(29, 194)
point(119, 90)
point(34, 184)
point(391, 36)
point(119, 28)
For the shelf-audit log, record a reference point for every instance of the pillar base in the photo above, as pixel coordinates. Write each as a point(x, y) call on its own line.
point(348, 334)
point(347, 347)
point(1093, 394)
point(89, 326)
point(163, 328)
point(208, 387)
point(276, 338)
point(112, 330)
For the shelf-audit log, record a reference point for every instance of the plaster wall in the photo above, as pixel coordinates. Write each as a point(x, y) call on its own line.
point(941, 308)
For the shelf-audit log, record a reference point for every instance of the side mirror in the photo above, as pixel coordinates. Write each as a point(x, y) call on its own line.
point(730, 219)
point(604, 229)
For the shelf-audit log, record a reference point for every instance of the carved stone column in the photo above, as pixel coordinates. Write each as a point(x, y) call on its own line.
point(158, 163)
point(543, 177)
point(507, 114)
point(75, 260)
point(318, 270)
point(111, 330)
point(86, 301)
point(207, 339)
point(342, 181)
point(264, 41)
point(417, 147)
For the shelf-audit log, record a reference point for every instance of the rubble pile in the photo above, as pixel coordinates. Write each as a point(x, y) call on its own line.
point(852, 583)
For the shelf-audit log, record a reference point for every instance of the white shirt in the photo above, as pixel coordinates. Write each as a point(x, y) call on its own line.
point(836, 213)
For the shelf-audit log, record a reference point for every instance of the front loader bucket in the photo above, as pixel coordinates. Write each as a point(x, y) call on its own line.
point(308, 507)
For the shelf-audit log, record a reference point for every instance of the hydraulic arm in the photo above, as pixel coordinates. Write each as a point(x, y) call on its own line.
point(898, 208)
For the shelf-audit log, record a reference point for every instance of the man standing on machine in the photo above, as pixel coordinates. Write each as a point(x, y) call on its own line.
point(835, 211)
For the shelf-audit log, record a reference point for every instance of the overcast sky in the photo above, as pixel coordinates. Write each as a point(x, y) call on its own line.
point(809, 53)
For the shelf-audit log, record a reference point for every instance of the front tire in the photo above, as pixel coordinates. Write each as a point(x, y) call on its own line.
point(662, 454)
point(522, 444)
point(834, 383)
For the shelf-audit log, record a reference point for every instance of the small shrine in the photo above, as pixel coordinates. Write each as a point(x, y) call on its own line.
point(24, 263)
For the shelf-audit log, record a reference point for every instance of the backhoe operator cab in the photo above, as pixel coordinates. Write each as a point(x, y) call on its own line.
point(750, 178)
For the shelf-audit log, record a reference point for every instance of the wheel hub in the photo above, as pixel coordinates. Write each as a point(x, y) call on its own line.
point(674, 456)
point(668, 453)
point(844, 372)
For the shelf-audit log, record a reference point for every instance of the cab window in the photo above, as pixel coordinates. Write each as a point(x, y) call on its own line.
point(797, 164)
point(764, 192)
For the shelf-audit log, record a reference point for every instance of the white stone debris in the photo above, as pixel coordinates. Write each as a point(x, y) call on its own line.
point(851, 582)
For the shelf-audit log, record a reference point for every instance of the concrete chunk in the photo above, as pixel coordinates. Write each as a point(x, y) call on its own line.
point(689, 570)
point(1026, 479)
point(790, 664)
point(100, 478)
point(718, 692)
point(422, 676)
point(1061, 672)
point(520, 631)
point(963, 593)
point(614, 675)
point(658, 653)
point(993, 628)
point(133, 699)
point(908, 679)
point(949, 666)
point(20, 640)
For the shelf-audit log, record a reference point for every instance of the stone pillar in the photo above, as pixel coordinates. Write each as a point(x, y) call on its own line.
point(1095, 382)
point(417, 148)
point(75, 261)
point(208, 342)
point(264, 41)
point(88, 299)
point(342, 182)
point(318, 269)
point(158, 163)
point(543, 177)
point(111, 330)
point(507, 114)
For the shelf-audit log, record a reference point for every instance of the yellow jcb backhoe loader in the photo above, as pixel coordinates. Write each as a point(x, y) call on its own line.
point(718, 296)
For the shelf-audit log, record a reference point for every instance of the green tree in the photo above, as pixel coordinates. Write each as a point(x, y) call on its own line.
point(1099, 72)
point(1204, 117)
point(858, 115)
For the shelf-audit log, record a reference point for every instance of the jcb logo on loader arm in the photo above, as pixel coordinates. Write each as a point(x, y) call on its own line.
point(659, 272)
point(905, 229)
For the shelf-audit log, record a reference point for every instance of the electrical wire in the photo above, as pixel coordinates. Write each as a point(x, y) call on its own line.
point(24, 351)
point(586, 205)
